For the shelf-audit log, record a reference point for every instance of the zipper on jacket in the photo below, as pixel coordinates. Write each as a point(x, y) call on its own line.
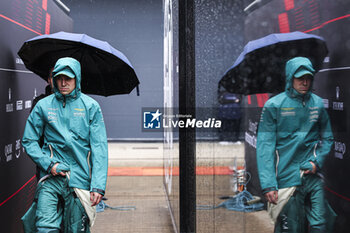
point(64, 101)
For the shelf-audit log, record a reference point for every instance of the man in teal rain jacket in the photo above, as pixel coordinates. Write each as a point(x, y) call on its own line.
point(295, 135)
point(75, 143)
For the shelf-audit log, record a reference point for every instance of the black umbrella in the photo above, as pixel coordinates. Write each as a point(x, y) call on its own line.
point(260, 67)
point(105, 70)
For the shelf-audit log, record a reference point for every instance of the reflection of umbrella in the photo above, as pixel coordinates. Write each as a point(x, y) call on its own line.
point(105, 70)
point(260, 67)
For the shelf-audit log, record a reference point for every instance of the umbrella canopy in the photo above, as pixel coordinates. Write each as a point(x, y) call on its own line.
point(105, 70)
point(260, 67)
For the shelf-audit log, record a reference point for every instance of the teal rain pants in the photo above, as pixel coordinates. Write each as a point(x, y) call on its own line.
point(307, 203)
point(56, 208)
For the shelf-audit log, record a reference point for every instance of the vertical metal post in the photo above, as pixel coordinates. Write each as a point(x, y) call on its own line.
point(187, 104)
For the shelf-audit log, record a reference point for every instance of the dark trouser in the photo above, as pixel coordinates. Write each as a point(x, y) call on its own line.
point(307, 208)
point(56, 209)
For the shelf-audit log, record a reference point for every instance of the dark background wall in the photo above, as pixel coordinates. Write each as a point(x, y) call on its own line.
point(20, 20)
point(135, 28)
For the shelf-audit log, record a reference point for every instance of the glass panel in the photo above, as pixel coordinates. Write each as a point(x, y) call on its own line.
point(171, 135)
point(219, 39)
point(222, 29)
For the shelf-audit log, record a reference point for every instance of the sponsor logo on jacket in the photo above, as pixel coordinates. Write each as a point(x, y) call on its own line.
point(285, 112)
point(51, 116)
point(79, 112)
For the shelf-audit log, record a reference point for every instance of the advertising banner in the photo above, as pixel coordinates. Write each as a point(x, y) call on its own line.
point(20, 20)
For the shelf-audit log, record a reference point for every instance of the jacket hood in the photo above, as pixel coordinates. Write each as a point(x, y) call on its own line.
point(297, 65)
point(67, 65)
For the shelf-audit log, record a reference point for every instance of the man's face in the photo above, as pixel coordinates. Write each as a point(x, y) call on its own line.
point(65, 84)
point(302, 84)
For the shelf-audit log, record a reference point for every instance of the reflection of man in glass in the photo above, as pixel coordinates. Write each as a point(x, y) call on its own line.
point(229, 113)
point(294, 138)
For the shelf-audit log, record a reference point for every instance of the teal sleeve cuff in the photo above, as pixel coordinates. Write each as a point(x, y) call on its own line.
point(100, 191)
point(306, 165)
point(50, 167)
point(268, 190)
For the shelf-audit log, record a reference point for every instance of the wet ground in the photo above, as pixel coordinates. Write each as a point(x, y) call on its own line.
point(146, 194)
point(135, 180)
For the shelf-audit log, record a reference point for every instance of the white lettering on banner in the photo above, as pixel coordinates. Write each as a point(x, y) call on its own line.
point(19, 61)
point(250, 139)
point(326, 103)
point(337, 92)
point(9, 107)
point(339, 150)
point(18, 144)
point(19, 105)
point(338, 106)
point(8, 152)
point(18, 148)
point(253, 126)
point(27, 104)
